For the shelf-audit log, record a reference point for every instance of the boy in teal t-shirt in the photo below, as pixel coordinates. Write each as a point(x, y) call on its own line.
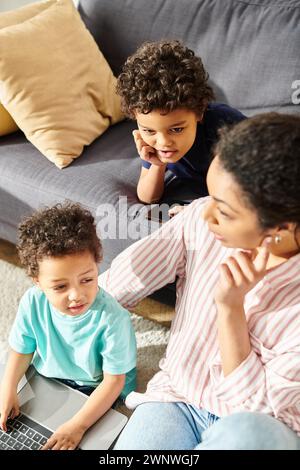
point(66, 326)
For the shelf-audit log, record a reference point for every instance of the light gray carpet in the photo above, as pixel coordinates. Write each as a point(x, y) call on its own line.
point(151, 337)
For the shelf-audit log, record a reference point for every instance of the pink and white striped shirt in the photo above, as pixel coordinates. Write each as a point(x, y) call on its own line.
point(268, 380)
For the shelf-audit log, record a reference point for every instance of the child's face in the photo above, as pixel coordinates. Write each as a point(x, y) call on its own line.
point(171, 135)
point(69, 282)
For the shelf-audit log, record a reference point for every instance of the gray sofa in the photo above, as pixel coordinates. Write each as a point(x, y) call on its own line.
point(251, 51)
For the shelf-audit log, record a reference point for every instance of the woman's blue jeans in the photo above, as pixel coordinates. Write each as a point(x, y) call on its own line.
point(177, 426)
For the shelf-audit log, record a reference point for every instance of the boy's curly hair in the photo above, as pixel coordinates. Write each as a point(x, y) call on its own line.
point(60, 230)
point(163, 75)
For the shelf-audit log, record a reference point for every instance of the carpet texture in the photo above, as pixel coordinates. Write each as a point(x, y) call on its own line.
point(151, 337)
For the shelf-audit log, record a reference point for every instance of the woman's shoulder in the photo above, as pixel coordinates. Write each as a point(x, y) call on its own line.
point(196, 230)
point(193, 217)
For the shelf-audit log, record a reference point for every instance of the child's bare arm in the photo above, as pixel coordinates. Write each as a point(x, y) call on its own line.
point(16, 367)
point(69, 434)
point(151, 182)
point(150, 187)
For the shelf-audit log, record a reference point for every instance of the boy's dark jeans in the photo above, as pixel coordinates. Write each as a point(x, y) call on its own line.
point(82, 388)
point(87, 390)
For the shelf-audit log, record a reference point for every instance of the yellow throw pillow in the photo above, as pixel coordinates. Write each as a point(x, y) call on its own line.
point(54, 81)
point(7, 124)
point(24, 13)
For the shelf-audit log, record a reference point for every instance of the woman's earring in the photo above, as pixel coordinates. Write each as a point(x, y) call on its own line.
point(277, 239)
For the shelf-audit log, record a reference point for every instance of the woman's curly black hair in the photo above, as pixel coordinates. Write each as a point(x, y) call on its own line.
point(263, 155)
point(163, 75)
point(60, 230)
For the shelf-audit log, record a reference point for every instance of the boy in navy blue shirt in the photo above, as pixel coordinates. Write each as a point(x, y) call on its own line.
point(164, 87)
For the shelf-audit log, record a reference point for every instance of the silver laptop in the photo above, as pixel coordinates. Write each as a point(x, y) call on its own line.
point(49, 403)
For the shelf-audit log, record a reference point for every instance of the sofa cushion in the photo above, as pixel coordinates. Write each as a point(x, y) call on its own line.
point(106, 186)
point(55, 82)
point(250, 48)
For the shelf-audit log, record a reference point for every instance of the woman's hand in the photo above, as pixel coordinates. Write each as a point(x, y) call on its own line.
point(66, 437)
point(238, 275)
point(9, 407)
point(146, 152)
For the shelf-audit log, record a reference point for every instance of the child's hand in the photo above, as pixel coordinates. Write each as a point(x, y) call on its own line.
point(175, 210)
point(66, 437)
point(9, 407)
point(239, 274)
point(146, 152)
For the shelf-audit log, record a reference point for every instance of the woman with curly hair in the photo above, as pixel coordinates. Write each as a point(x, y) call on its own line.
point(164, 87)
point(230, 376)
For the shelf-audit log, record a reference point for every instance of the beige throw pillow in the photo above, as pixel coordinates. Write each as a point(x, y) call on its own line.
point(7, 124)
point(54, 81)
point(9, 18)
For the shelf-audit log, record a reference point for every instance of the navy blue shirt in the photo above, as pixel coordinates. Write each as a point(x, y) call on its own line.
point(194, 164)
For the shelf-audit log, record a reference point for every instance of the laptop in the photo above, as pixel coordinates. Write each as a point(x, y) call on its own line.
point(47, 403)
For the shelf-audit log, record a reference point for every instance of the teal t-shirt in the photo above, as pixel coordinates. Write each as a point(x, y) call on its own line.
point(77, 348)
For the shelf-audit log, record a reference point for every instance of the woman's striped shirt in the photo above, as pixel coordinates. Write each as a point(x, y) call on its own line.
point(268, 380)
